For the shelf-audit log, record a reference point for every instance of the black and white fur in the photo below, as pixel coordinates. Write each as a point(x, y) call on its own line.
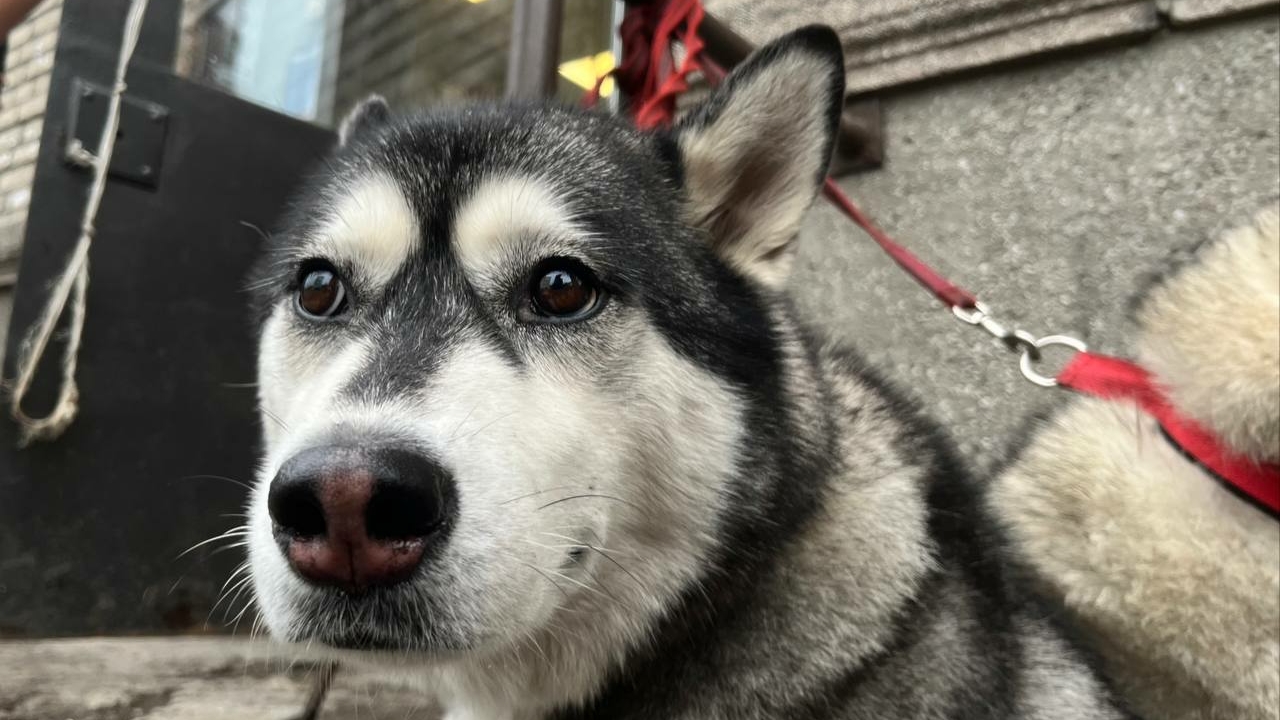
point(685, 506)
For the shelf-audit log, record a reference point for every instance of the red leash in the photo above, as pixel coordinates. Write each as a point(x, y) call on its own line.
point(649, 32)
point(951, 295)
point(645, 73)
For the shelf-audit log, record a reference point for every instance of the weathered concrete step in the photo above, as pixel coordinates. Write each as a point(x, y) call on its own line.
point(182, 679)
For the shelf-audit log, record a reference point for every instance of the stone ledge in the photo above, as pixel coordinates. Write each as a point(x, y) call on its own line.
point(182, 679)
point(896, 42)
point(1189, 12)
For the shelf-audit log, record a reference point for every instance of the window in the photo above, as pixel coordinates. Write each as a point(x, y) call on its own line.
point(278, 53)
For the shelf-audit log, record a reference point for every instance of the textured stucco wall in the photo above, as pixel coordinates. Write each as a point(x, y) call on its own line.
point(1050, 190)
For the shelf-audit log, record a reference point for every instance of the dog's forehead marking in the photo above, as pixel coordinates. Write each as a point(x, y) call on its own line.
point(369, 224)
point(503, 210)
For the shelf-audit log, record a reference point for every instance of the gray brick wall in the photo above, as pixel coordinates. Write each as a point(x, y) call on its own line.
point(416, 52)
point(420, 52)
point(25, 91)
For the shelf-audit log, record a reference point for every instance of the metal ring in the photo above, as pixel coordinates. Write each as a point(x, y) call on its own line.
point(1023, 342)
point(1047, 341)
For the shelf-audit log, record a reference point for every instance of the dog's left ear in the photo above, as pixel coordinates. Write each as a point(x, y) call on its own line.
point(755, 153)
point(370, 113)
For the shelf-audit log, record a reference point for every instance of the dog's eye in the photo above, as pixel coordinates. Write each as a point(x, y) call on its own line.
point(563, 289)
point(321, 292)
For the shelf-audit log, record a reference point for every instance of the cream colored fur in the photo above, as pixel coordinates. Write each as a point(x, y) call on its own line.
point(1175, 581)
point(371, 228)
point(1213, 337)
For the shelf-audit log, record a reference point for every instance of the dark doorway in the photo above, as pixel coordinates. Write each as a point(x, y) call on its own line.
point(91, 524)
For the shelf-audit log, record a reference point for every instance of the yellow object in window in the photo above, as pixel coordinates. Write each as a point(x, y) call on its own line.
point(584, 71)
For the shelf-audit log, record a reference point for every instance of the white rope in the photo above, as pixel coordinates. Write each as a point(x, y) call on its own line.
point(74, 280)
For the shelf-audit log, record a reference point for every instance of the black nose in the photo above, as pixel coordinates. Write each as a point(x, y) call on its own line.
point(355, 518)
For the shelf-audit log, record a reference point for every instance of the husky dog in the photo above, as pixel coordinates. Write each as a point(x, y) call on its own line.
point(543, 430)
point(1174, 579)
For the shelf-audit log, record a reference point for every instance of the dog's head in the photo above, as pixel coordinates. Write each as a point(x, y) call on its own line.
point(513, 358)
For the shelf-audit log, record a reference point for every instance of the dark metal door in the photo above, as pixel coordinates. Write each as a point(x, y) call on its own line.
point(91, 524)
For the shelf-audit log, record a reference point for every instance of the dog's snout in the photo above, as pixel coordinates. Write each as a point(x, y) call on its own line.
point(356, 518)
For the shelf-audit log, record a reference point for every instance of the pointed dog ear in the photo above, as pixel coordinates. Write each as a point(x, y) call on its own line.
point(369, 114)
point(755, 153)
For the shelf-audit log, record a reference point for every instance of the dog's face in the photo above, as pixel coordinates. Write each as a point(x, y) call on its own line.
point(507, 357)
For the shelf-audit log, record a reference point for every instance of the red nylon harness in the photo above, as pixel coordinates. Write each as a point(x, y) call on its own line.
point(1113, 378)
point(649, 77)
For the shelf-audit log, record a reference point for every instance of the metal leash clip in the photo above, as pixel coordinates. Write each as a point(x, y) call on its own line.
point(1019, 341)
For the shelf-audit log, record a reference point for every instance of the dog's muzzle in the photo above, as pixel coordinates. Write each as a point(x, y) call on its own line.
point(356, 518)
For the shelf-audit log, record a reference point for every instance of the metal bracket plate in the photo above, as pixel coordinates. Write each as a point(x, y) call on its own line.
point(139, 150)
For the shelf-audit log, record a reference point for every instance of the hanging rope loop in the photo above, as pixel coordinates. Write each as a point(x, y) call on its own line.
point(72, 284)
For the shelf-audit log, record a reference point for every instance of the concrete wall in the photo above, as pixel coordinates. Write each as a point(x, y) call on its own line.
point(1051, 191)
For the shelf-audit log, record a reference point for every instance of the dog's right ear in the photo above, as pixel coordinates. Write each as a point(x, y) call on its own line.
point(369, 114)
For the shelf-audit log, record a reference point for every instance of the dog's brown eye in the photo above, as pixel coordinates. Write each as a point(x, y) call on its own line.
point(321, 293)
point(563, 290)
